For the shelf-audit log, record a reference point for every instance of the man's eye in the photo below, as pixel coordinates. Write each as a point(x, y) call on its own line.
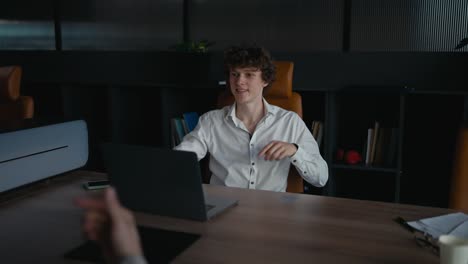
point(234, 74)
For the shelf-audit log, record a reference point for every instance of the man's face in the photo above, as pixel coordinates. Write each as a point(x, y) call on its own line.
point(246, 84)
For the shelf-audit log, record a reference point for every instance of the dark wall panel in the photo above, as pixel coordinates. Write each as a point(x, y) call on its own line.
point(408, 25)
point(279, 25)
point(121, 25)
point(423, 71)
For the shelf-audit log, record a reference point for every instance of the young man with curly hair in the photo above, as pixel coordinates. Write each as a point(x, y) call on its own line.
point(252, 144)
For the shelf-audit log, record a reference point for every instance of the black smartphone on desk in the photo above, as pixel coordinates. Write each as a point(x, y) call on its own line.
point(96, 185)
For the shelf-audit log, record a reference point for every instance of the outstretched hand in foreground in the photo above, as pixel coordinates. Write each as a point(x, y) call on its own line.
point(111, 225)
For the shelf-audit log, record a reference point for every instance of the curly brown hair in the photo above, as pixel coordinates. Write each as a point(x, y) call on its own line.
point(250, 56)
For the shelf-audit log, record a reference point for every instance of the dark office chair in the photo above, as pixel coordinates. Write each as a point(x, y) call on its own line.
point(13, 106)
point(279, 94)
point(459, 185)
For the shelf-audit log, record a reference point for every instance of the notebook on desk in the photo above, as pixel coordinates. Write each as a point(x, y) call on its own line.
point(161, 181)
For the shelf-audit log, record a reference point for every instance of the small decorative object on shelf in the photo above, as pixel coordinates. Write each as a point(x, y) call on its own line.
point(352, 157)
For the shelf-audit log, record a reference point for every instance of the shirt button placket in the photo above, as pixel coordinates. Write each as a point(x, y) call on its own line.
point(252, 164)
point(252, 182)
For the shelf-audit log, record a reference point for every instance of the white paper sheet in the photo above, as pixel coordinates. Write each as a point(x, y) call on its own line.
point(450, 224)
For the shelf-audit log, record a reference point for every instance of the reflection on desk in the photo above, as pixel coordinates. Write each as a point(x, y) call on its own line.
point(265, 227)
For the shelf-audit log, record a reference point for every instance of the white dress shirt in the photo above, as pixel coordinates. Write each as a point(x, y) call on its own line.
point(234, 159)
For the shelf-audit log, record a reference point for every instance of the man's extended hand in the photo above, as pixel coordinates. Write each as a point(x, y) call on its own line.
point(277, 150)
point(111, 225)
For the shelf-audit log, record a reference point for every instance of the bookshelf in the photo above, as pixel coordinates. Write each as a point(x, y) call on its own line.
point(425, 124)
point(356, 113)
point(347, 117)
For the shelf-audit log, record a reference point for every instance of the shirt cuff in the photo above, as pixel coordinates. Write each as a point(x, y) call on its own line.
point(298, 156)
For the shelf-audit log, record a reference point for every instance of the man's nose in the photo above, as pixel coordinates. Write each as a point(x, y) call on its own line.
point(241, 79)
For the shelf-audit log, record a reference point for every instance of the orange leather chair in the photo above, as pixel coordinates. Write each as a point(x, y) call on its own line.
point(13, 106)
point(459, 185)
point(279, 94)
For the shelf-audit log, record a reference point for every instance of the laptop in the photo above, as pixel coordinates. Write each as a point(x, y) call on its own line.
point(160, 181)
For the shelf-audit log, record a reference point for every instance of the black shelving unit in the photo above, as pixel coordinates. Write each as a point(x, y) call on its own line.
point(347, 114)
point(353, 111)
point(426, 123)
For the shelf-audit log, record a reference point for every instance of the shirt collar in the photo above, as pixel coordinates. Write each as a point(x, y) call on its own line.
point(231, 113)
point(269, 110)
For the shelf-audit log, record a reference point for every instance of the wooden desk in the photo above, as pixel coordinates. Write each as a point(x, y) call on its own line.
point(265, 227)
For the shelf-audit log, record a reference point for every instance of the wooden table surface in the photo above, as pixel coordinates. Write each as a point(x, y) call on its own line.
point(266, 227)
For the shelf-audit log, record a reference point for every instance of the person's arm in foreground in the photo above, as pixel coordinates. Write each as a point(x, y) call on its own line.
point(113, 227)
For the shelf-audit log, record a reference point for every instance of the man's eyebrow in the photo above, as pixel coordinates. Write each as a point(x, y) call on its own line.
point(252, 70)
point(245, 70)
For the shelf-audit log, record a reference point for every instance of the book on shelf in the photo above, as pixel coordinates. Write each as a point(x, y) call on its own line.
point(317, 132)
point(320, 134)
point(174, 136)
point(191, 119)
point(177, 130)
point(370, 139)
point(182, 126)
point(374, 142)
point(318, 124)
point(380, 145)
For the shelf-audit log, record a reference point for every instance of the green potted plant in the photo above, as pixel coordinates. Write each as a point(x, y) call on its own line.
point(462, 43)
point(193, 46)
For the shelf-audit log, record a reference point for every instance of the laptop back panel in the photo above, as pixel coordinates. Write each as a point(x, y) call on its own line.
point(156, 181)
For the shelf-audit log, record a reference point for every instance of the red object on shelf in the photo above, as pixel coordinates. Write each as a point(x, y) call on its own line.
point(352, 157)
